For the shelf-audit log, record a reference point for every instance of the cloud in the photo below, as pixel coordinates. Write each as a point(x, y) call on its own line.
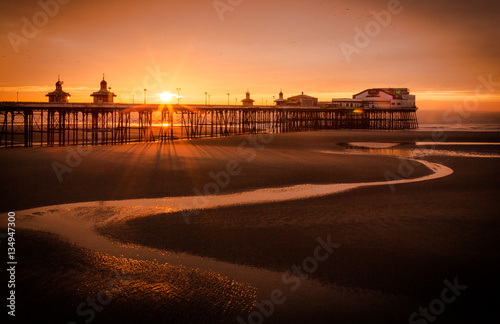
point(294, 44)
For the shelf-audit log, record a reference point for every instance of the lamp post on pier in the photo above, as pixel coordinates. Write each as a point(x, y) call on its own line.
point(178, 96)
point(228, 98)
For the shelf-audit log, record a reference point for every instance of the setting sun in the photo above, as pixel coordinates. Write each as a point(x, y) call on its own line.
point(250, 161)
point(166, 96)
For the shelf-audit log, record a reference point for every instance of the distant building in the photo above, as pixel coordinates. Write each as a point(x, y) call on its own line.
point(347, 103)
point(103, 95)
point(58, 95)
point(302, 100)
point(280, 101)
point(382, 98)
point(247, 101)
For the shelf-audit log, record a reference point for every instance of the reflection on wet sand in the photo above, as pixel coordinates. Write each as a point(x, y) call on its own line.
point(77, 223)
point(348, 215)
point(421, 149)
point(117, 210)
point(89, 286)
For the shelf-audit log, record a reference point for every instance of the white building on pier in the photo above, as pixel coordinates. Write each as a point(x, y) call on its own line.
point(378, 98)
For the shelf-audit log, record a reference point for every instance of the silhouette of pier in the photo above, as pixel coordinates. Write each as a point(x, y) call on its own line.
point(58, 124)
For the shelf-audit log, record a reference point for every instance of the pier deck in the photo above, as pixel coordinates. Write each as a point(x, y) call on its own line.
point(58, 124)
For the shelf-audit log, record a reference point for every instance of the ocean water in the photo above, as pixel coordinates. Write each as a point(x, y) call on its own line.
point(458, 120)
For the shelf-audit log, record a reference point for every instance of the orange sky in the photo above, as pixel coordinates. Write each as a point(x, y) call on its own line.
point(438, 49)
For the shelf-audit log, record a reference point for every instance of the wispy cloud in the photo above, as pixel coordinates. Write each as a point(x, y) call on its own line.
point(46, 88)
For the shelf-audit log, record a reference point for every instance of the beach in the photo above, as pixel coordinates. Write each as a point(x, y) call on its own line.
point(392, 232)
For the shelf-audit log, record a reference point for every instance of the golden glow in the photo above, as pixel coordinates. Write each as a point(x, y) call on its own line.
point(166, 97)
point(211, 58)
point(357, 111)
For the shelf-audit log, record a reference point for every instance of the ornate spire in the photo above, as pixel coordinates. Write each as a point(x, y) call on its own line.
point(104, 84)
point(59, 83)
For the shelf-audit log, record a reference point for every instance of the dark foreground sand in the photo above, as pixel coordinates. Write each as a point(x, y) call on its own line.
point(59, 282)
point(403, 243)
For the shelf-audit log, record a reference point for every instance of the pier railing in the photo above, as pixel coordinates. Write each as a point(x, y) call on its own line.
point(59, 124)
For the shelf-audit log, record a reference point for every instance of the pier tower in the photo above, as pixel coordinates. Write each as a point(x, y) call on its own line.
point(58, 95)
point(247, 101)
point(104, 95)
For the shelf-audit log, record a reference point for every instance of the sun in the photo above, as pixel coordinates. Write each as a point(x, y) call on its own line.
point(166, 96)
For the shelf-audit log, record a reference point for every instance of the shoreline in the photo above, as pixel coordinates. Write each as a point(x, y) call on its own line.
point(396, 247)
point(148, 170)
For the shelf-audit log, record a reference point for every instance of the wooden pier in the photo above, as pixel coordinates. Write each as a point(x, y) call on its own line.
point(58, 124)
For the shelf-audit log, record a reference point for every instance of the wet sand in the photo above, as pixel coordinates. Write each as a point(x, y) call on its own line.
point(400, 244)
point(397, 247)
point(59, 282)
point(156, 170)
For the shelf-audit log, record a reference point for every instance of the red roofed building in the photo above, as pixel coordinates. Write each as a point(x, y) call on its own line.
point(385, 98)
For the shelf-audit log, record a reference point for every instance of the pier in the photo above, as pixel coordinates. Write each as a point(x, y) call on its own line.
point(31, 124)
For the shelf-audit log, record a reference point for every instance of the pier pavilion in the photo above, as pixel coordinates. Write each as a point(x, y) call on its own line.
point(106, 123)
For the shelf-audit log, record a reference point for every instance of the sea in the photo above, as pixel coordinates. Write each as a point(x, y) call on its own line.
point(430, 120)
